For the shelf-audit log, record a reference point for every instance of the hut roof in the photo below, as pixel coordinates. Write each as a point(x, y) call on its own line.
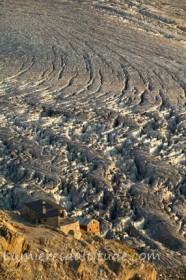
point(52, 208)
point(85, 221)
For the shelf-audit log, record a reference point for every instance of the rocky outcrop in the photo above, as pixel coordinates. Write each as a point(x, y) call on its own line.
point(52, 253)
point(10, 239)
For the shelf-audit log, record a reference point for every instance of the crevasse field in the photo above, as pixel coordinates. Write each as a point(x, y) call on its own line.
point(92, 114)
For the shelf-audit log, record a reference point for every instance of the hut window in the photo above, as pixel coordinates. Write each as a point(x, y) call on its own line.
point(62, 214)
point(44, 210)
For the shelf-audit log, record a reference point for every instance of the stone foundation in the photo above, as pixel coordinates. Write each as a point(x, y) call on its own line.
point(71, 227)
